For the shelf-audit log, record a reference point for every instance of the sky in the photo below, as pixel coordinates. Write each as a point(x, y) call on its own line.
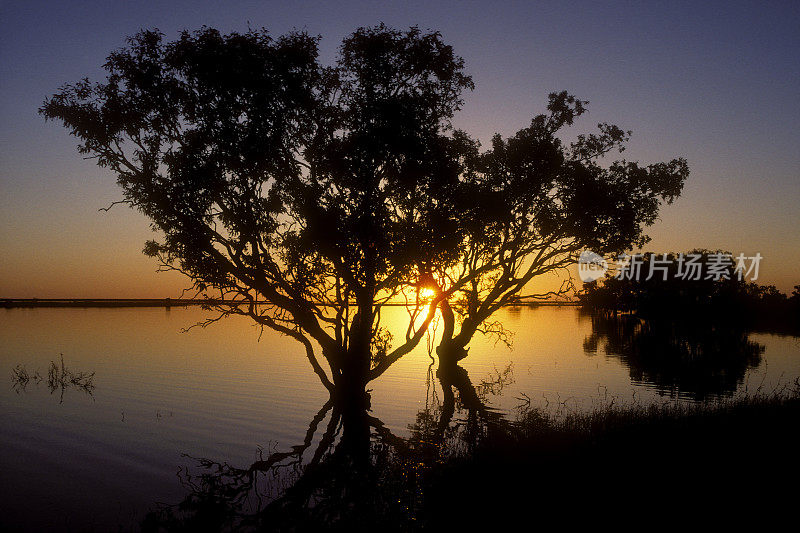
point(716, 83)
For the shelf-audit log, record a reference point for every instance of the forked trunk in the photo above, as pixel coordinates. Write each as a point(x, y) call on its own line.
point(450, 353)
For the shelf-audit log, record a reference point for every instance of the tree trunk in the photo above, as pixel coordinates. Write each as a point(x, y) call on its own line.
point(450, 353)
point(452, 376)
point(350, 382)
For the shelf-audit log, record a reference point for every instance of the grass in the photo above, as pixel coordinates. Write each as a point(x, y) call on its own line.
point(734, 459)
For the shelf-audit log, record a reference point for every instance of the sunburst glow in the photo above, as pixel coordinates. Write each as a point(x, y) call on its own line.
point(427, 293)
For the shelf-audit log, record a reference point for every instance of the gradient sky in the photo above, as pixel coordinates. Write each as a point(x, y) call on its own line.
point(717, 84)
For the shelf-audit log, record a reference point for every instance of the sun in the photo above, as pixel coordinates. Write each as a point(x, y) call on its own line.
point(427, 293)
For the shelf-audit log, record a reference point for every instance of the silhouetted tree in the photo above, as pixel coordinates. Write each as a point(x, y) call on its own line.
point(309, 195)
point(543, 202)
point(305, 194)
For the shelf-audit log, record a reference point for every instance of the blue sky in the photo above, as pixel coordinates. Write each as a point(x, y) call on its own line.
point(716, 83)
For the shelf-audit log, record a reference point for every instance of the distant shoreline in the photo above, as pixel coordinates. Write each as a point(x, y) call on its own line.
point(10, 303)
point(100, 302)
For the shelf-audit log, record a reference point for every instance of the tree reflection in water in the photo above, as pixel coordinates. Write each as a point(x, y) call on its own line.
point(700, 360)
point(352, 474)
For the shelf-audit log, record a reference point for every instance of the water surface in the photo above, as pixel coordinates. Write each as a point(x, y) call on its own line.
point(73, 459)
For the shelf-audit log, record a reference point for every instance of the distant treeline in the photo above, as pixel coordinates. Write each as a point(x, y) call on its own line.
point(104, 302)
point(719, 297)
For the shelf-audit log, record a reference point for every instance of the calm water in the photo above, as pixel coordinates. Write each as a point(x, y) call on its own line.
point(75, 460)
